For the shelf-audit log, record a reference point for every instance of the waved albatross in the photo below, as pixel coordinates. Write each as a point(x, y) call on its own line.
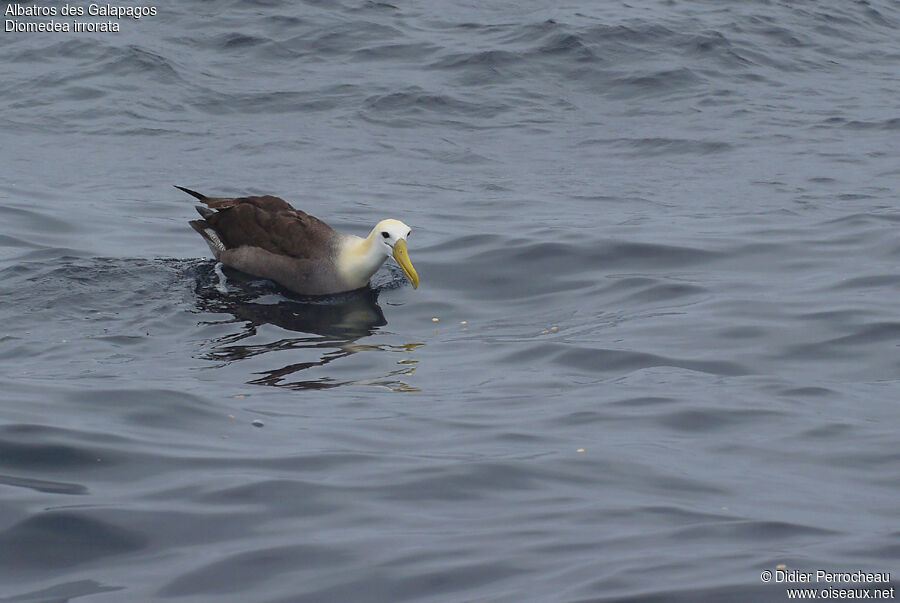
point(266, 237)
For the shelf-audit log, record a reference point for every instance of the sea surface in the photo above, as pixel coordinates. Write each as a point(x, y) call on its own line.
point(653, 354)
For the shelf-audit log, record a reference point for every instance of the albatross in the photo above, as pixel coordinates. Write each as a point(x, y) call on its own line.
point(266, 237)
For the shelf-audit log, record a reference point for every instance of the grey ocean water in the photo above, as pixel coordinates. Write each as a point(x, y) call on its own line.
point(660, 239)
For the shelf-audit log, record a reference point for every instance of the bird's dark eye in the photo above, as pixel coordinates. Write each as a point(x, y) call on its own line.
point(409, 233)
point(384, 234)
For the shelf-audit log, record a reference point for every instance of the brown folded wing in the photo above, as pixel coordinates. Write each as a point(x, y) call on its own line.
point(270, 223)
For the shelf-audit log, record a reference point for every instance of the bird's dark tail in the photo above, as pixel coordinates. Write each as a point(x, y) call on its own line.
point(219, 203)
point(194, 194)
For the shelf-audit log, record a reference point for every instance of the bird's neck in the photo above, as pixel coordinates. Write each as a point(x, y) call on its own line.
point(359, 259)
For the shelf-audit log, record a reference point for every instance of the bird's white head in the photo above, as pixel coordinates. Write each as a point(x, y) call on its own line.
point(390, 235)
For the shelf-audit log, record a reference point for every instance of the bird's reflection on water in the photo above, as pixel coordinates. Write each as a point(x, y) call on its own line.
point(332, 326)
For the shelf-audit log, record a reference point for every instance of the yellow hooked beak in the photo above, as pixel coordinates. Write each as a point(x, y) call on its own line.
point(402, 258)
